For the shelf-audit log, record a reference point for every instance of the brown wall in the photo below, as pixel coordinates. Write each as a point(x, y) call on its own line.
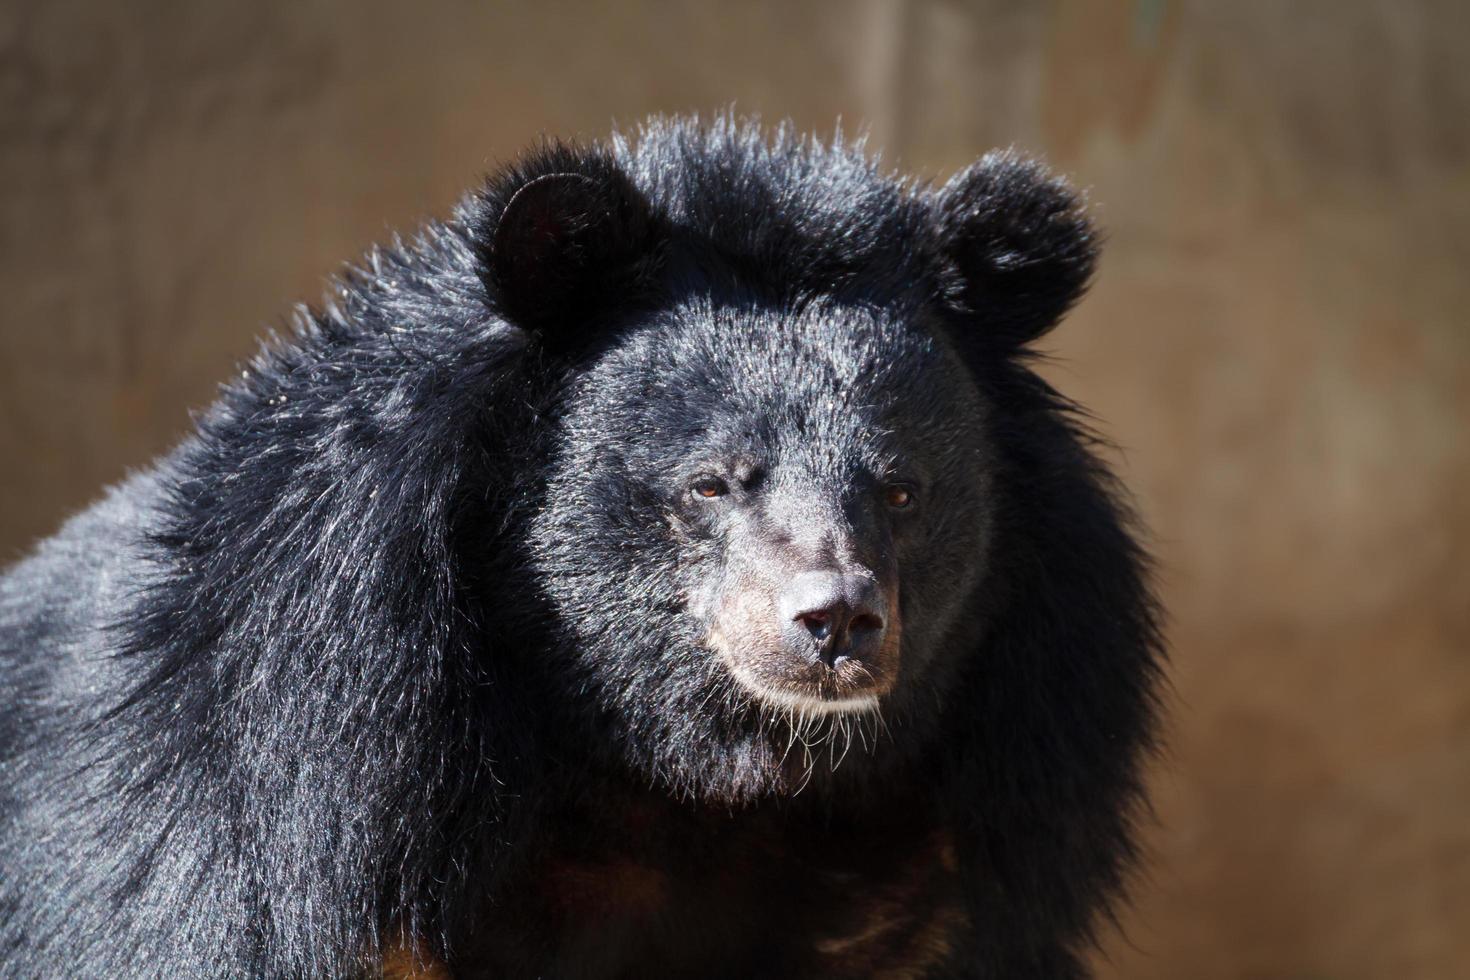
point(1278, 338)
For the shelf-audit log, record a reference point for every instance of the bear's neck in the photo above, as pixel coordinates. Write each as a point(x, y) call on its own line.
point(636, 883)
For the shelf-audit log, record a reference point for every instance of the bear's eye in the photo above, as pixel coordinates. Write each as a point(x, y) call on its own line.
point(709, 487)
point(898, 496)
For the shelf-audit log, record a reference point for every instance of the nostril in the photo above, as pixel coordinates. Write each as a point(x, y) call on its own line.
point(833, 614)
point(817, 623)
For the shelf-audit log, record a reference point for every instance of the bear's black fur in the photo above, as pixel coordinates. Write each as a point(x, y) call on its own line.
point(422, 652)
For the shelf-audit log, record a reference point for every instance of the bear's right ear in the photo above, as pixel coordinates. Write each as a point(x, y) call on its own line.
point(562, 239)
point(1021, 247)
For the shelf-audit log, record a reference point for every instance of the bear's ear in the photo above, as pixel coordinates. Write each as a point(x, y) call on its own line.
point(1020, 244)
point(562, 240)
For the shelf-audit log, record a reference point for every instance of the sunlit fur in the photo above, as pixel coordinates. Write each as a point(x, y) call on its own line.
point(301, 690)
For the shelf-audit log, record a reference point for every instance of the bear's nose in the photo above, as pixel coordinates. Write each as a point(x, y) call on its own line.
point(840, 615)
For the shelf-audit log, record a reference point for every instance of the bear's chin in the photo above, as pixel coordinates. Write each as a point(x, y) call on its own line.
point(808, 689)
point(805, 745)
point(812, 705)
point(796, 701)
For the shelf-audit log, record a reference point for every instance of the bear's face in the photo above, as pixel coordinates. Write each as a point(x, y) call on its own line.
point(763, 522)
point(769, 514)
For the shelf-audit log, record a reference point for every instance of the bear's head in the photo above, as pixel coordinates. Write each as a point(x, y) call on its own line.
point(784, 427)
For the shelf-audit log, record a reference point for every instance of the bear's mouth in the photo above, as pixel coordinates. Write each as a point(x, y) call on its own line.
point(802, 702)
point(777, 681)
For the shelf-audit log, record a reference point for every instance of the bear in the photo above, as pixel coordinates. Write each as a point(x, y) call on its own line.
point(670, 564)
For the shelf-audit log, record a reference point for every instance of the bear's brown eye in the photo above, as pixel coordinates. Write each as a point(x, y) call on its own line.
point(709, 487)
point(898, 497)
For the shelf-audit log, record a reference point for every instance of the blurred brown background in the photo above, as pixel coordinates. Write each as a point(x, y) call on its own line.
point(1278, 339)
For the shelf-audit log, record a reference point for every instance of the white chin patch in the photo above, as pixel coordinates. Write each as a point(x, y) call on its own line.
point(810, 706)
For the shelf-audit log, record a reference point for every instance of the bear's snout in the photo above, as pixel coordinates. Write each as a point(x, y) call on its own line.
point(817, 637)
point(832, 617)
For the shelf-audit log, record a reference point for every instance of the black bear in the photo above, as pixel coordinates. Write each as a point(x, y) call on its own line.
point(668, 566)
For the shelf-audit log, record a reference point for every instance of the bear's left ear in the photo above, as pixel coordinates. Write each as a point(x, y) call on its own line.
point(1020, 244)
point(563, 239)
